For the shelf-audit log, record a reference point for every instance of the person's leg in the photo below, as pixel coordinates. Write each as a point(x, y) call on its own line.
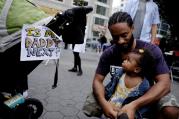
point(78, 62)
point(74, 69)
point(169, 108)
point(75, 60)
point(66, 46)
point(169, 112)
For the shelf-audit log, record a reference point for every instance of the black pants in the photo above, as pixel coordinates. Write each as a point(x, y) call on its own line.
point(77, 61)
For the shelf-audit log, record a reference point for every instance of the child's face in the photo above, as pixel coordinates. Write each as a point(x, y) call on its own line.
point(130, 64)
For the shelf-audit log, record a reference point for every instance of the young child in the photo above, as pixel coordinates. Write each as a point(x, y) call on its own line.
point(131, 82)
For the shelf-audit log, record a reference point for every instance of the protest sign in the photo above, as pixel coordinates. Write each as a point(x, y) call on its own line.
point(39, 43)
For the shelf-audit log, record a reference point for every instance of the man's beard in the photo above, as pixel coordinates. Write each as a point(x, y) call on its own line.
point(127, 46)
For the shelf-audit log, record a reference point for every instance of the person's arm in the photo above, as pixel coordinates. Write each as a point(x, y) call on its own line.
point(153, 33)
point(98, 88)
point(156, 92)
point(99, 92)
point(155, 21)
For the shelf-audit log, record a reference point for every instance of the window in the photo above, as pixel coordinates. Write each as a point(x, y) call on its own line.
point(103, 1)
point(80, 3)
point(101, 10)
point(94, 39)
point(99, 21)
point(96, 34)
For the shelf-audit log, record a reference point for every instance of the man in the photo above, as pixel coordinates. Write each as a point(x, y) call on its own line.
point(121, 27)
point(145, 16)
point(102, 40)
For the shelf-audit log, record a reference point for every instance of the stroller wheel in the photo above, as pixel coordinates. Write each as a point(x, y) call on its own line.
point(35, 106)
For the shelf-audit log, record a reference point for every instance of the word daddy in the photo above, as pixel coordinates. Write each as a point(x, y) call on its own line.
point(39, 42)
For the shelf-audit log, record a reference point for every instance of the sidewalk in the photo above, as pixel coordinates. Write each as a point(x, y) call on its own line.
point(65, 101)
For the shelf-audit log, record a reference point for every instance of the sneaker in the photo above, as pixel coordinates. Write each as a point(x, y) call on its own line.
point(79, 73)
point(25, 94)
point(72, 70)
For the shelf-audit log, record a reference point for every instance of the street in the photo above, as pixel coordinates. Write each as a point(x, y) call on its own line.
point(66, 101)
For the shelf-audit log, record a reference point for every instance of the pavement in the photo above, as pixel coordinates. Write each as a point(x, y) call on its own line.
point(67, 99)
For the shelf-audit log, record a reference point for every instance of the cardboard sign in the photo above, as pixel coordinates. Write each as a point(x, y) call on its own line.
point(39, 43)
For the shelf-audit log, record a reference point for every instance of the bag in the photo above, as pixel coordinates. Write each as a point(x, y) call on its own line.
point(91, 108)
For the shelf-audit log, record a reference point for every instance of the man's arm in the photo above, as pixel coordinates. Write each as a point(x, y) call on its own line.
point(153, 33)
point(155, 21)
point(99, 92)
point(98, 87)
point(156, 92)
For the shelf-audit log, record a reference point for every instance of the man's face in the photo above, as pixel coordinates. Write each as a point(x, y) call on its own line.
point(122, 35)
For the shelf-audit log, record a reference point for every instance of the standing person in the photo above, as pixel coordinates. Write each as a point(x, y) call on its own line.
point(102, 40)
point(131, 81)
point(145, 16)
point(77, 49)
point(121, 27)
point(80, 26)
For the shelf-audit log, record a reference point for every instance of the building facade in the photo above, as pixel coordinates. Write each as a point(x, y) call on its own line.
point(96, 20)
point(120, 6)
point(99, 19)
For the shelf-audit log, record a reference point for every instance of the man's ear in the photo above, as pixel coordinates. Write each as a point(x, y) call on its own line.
point(137, 70)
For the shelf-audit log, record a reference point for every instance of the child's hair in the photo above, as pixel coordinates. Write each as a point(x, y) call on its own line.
point(146, 62)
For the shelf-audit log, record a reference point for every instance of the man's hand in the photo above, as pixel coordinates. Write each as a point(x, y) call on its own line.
point(110, 110)
point(155, 41)
point(99, 91)
point(129, 109)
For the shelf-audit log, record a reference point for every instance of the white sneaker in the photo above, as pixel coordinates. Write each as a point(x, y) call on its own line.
point(25, 94)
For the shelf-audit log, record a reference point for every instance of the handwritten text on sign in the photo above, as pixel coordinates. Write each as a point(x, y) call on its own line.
point(39, 43)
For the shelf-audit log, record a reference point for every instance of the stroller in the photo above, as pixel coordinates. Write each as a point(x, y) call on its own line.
point(17, 107)
point(12, 103)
